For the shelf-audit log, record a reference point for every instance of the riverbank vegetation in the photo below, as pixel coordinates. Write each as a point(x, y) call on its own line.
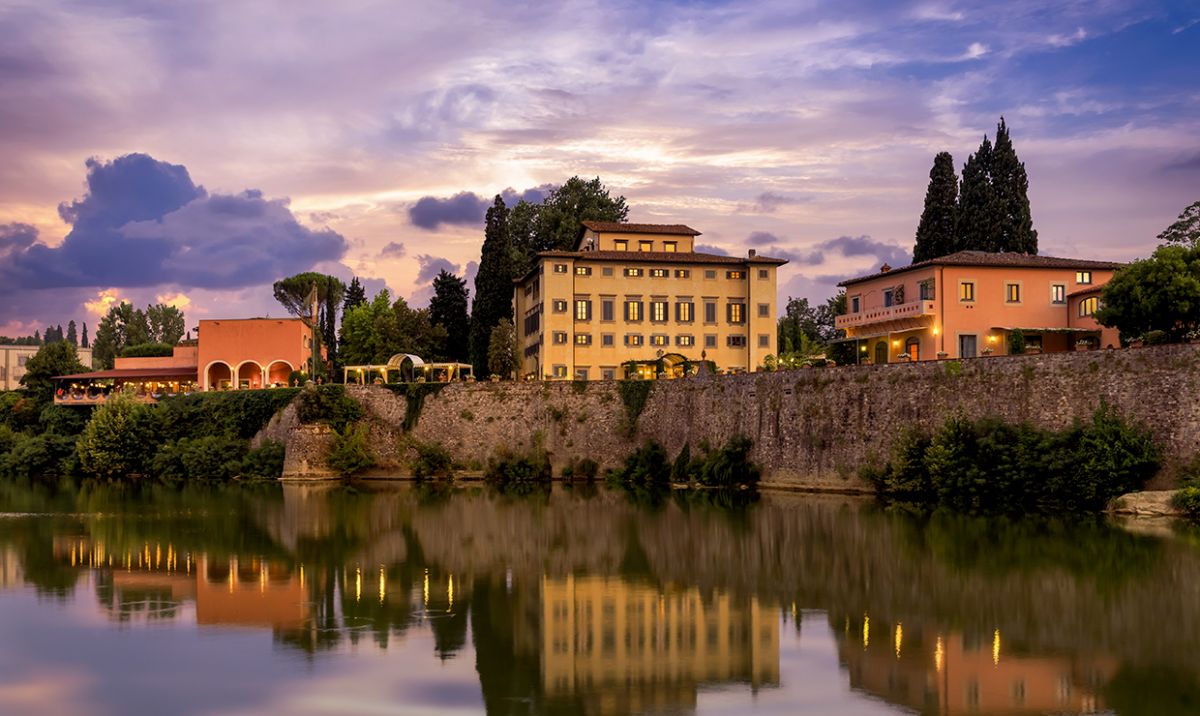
point(728, 466)
point(990, 466)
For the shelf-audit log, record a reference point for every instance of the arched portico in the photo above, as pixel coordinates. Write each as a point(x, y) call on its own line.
point(216, 373)
point(278, 372)
point(249, 375)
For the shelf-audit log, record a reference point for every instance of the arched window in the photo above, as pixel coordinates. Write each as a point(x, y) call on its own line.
point(913, 348)
point(1088, 306)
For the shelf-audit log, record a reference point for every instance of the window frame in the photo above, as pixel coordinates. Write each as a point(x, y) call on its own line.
point(637, 315)
point(963, 286)
point(560, 268)
point(1080, 277)
point(583, 270)
point(634, 272)
point(620, 244)
point(559, 305)
point(586, 305)
point(735, 275)
point(1055, 288)
point(1009, 293)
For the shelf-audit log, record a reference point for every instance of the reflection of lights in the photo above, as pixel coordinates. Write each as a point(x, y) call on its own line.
point(996, 647)
point(262, 579)
point(898, 638)
point(382, 584)
point(358, 584)
point(302, 576)
point(450, 593)
point(425, 589)
point(866, 631)
point(939, 655)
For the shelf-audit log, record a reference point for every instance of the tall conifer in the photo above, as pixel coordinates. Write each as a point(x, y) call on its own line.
point(83, 340)
point(448, 309)
point(493, 297)
point(978, 228)
point(1011, 186)
point(937, 232)
point(72, 333)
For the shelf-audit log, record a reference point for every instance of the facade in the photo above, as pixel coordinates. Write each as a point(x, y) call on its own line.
point(14, 358)
point(641, 292)
point(967, 304)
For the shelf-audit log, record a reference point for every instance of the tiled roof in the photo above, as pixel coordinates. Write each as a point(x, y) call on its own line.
point(678, 257)
point(986, 258)
point(149, 373)
point(622, 227)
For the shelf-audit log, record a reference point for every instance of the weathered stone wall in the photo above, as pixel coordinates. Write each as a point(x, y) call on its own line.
point(811, 428)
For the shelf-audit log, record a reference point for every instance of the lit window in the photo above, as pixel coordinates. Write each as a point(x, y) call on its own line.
point(560, 306)
point(685, 341)
point(583, 309)
point(645, 246)
point(634, 272)
point(736, 312)
point(736, 275)
point(658, 311)
point(659, 340)
point(583, 339)
point(633, 339)
point(1083, 277)
point(633, 310)
point(737, 341)
point(1058, 293)
point(682, 273)
point(560, 371)
point(1012, 292)
point(560, 268)
point(1088, 306)
point(560, 337)
point(660, 273)
point(684, 311)
point(621, 245)
point(670, 246)
point(583, 270)
point(966, 291)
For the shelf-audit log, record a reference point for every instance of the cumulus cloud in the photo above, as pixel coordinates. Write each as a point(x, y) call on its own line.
point(851, 247)
point(762, 238)
point(394, 250)
point(16, 237)
point(430, 266)
point(710, 249)
point(1183, 164)
point(768, 202)
point(466, 207)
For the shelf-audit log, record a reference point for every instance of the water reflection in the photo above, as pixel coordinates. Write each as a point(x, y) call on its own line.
point(591, 602)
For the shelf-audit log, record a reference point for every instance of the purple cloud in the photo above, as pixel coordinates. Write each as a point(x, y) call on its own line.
point(431, 265)
point(394, 250)
point(465, 207)
point(710, 249)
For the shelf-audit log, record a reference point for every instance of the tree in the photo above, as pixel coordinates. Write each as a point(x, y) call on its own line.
point(83, 340)
point(936, 233)
point(1186, 229)
point(1010, 185)
point(72, 333)
point(58, 358)
point(493, 284)
point(523, 236)
point(292, 292)
point(122, 326)
point(1161, 293)
point(448, 309)
point(360, 340)
point(114, 441)
point(575, 201)
point(165, 324)
point(502, 350)
point(356, 295)
point(374, 332)
point(977, 226)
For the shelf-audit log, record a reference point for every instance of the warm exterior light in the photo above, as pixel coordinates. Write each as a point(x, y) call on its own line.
point(896, 344)
point(991, 339)
point(935, 330)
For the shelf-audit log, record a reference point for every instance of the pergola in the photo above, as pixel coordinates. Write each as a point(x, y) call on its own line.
point(408, 368)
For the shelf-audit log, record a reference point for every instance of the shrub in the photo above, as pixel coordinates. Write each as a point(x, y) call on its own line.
point(328, 404)
point(63, 420)
point(681, 468)
point(148, 350)
point(433, 460)
point(584, 469)
point(512, 466)
point(904, 476)
point(264, 462)
point(115, 440)
point(1016, 341)
point(351, 451)
point(36, 456)
point(212, 457)
point(729, 466)
point(1187, 501)
point(235, 413)
point(648, 465)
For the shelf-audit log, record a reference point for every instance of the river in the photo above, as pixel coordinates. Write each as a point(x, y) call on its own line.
point(257, 599)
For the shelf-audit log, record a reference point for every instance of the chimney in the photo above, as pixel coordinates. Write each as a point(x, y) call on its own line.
point(753, 253)
point(884, 268)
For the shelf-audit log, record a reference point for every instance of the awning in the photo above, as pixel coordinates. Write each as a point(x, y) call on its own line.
point(168, 373)
point(1023, 329)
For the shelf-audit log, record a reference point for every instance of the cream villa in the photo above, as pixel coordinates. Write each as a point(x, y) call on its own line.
point(968, 303)
point(641, 292)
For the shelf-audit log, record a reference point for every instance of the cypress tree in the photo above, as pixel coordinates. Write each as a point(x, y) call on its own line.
point(493, 285)
point(448, 309)
point(72, 333)
point(1011, 186)
point(936, 233)
point(978, 228)
point(356, 295)
point(83, 340)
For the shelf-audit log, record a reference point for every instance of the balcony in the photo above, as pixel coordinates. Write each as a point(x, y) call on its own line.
point(883, 314)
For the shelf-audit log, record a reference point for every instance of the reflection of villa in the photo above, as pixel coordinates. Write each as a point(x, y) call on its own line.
point(228, 354)
point(631, 647)
point(956, 673)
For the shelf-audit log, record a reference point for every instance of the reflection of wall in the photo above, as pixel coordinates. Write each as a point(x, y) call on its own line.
point(601, 632)
point(249, 593)
point(11, 575)
point(959, 674)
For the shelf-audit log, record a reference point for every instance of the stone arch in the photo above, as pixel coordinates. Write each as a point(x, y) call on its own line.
point(278, 372)
point(251, 371)
point(215, 372)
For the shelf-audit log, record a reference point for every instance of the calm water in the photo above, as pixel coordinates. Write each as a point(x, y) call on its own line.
point(402, 600)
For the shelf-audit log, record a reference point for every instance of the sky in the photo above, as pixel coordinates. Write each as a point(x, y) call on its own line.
point(192, 153)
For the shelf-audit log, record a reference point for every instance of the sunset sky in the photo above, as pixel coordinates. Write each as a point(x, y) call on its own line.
point(192, 152)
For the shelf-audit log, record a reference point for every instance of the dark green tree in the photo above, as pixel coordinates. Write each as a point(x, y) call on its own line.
point(1186, 229)
point(122, 326)
point(448, 309)
point(1161, 293)
point(502, 350)
point(1010, 185)
point(493, 297)
point(355, 296)
point(978, 209)
point(165, 324)
point(577, 200)
point(523, 236)
point(292, 292)
point(937, 231)
point(57, 358)
point(37, 338)
point(72, 333)
point(83, 339)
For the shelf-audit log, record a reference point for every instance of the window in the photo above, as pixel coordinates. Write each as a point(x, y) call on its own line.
point(764, 340)
point(889, 297)
point(659, 340)
point(634, 272)
point(583, 339)
point(645, 246)
point(927, 290)
point(583, 270)
point(854, 301)
point(709, 273)
point(633, 339)
point(685, 341)
point(532, 323)
point(1083, 277)
point(737, 275)
point(966, 291)
point(608, 373)
point(606, 340)
point(606, 309)
point(1012, 293)
point(710, 341)
point(560, 337)
point(736, 341)
point(660, 273)
point(764, 310)
point(583, 309)
point(1088, 306)
point(1058, 293)
point(764, 274)
point(621, 245)
point(560, 268)
point(670, 246)
point(710, 312)
point(560, 306)
point(685, 311)
point(633, 310)
point(607, 271)
point(560, 371)
point(659, 313)
point(682, 273)
point(736, 313)
point(581, 374)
